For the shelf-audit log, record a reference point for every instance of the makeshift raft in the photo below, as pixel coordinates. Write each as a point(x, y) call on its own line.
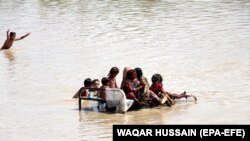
point(115, 99)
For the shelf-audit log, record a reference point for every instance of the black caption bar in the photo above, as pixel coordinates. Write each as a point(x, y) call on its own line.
point(192, 132)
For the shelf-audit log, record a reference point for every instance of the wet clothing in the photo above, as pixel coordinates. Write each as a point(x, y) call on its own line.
point(157, 88)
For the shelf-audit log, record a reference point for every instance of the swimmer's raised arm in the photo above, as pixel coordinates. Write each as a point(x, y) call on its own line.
point(7, 33)
point(22, 37)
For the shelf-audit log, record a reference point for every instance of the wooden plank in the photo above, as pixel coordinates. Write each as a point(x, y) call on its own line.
point(92, 98)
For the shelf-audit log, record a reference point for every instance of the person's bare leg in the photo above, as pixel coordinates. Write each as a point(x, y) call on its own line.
point(162, 100)
point(184, 94)
point(165, 99)
point(170, 100)
point(177, 96)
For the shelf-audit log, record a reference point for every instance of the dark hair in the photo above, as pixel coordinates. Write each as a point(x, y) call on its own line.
point(156, 78)
point(93, 81)
point(105, 80)
point(87, 82)
point(138, 72)
point(113, 70)
point(130, 74)
point(12, 33)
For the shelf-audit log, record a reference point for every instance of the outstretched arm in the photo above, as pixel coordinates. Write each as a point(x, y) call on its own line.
point(77, 95)
point(22, 37)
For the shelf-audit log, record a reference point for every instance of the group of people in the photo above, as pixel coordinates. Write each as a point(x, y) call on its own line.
point(134, 84)
point(135, 87)
point(107, 82)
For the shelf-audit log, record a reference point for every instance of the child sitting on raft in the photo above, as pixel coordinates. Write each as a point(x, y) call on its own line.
point(157, 87)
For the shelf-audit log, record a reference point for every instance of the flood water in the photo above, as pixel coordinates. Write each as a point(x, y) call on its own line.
point(201, 46)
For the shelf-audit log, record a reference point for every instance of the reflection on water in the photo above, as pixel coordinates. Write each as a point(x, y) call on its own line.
point(92, 120)
point(9, 55)
point(10, 59)
point(201, 46)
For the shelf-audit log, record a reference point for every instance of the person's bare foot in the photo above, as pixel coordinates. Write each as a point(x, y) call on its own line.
point(184, 93)
point(186, 96)
point(195, 98)
point(168, 103)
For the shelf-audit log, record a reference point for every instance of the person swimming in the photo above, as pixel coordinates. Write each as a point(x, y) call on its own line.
point(11, 38)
